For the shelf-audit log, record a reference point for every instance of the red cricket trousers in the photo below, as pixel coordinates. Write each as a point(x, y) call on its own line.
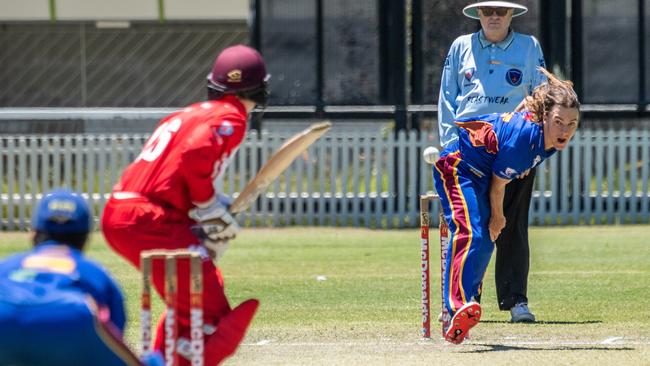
point(135, 224)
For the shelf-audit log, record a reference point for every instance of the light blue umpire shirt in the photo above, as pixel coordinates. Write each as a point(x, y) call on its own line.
point(480, 77)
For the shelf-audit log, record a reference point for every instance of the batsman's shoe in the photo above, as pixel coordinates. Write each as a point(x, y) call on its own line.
point(465, 318)
point(230, 332)
point(520, 314)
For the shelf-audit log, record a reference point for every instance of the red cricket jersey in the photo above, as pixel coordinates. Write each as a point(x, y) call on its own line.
point(185, 154)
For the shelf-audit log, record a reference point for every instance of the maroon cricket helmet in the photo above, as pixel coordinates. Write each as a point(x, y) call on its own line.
point(238, 69)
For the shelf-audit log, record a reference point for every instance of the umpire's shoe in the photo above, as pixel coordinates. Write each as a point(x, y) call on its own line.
point(520, 314)
point(465, 318)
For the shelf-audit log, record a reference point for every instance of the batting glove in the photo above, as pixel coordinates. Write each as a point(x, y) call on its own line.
point(215, 221)
point(216, 249)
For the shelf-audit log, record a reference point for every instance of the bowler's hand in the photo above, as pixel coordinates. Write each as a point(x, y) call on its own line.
point(497, 223)
point(524, 174)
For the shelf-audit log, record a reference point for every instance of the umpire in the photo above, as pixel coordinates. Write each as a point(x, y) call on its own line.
point(491, 71)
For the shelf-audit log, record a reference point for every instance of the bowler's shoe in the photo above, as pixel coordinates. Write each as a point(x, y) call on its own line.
point(465, 318)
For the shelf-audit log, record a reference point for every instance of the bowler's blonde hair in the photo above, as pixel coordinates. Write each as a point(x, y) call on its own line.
point(549, 94)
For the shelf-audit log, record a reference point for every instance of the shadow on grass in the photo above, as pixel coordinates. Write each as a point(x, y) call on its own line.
point(502, 347)
point(542, 322)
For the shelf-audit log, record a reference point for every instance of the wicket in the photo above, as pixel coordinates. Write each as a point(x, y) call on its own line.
point(425, 222)
point(171, 285)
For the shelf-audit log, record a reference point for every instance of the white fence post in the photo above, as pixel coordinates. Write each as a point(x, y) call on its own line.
point(357, 178)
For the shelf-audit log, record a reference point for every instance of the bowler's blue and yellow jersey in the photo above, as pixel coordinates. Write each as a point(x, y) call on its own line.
point(505, 144)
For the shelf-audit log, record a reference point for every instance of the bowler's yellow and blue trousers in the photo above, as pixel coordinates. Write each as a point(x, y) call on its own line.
point(465, 197)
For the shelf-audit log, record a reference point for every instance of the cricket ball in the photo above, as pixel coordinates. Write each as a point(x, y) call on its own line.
point(430, 154)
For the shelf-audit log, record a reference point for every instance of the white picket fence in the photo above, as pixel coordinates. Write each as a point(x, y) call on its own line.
point(360, 179)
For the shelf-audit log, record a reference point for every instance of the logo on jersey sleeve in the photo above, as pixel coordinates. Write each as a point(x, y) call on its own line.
point(469, 73)
point(225, 129)
point(537, 160)
point(509, 172)
point(514, 77)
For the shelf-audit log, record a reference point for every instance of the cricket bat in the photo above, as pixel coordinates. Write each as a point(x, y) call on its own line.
point(277, 163)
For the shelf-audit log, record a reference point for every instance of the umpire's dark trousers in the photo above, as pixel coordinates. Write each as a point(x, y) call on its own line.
point(512, 259)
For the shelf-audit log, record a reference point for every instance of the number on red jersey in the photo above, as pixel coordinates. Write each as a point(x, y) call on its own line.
point(159, 140)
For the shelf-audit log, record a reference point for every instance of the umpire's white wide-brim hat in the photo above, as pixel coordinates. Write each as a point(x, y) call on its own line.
point(472, 10)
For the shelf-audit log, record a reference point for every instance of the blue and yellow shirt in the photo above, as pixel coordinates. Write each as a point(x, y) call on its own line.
point(505, 144)
point(51, 270)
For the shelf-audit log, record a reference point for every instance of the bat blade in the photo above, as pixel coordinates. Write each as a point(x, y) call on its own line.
point(277, 163)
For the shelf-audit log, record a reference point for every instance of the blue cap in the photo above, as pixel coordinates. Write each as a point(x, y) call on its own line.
point(62, 212)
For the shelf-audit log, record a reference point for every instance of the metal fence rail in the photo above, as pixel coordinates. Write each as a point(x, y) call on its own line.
point(361, 179)
point(79, 64)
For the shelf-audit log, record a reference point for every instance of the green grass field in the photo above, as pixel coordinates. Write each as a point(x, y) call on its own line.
point(588, 288)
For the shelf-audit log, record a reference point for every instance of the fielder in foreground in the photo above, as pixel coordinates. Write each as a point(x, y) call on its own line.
point(56, 306)
point(166, 200)
point(471, 176)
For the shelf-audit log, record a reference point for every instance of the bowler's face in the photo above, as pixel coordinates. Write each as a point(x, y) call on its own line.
point(495, 24)
point(560, 124)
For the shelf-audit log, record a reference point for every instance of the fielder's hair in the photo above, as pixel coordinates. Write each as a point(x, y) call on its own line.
point(75, 240)
point(549, 94)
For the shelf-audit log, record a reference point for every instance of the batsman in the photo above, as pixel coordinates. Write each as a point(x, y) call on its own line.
point(166, 199)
